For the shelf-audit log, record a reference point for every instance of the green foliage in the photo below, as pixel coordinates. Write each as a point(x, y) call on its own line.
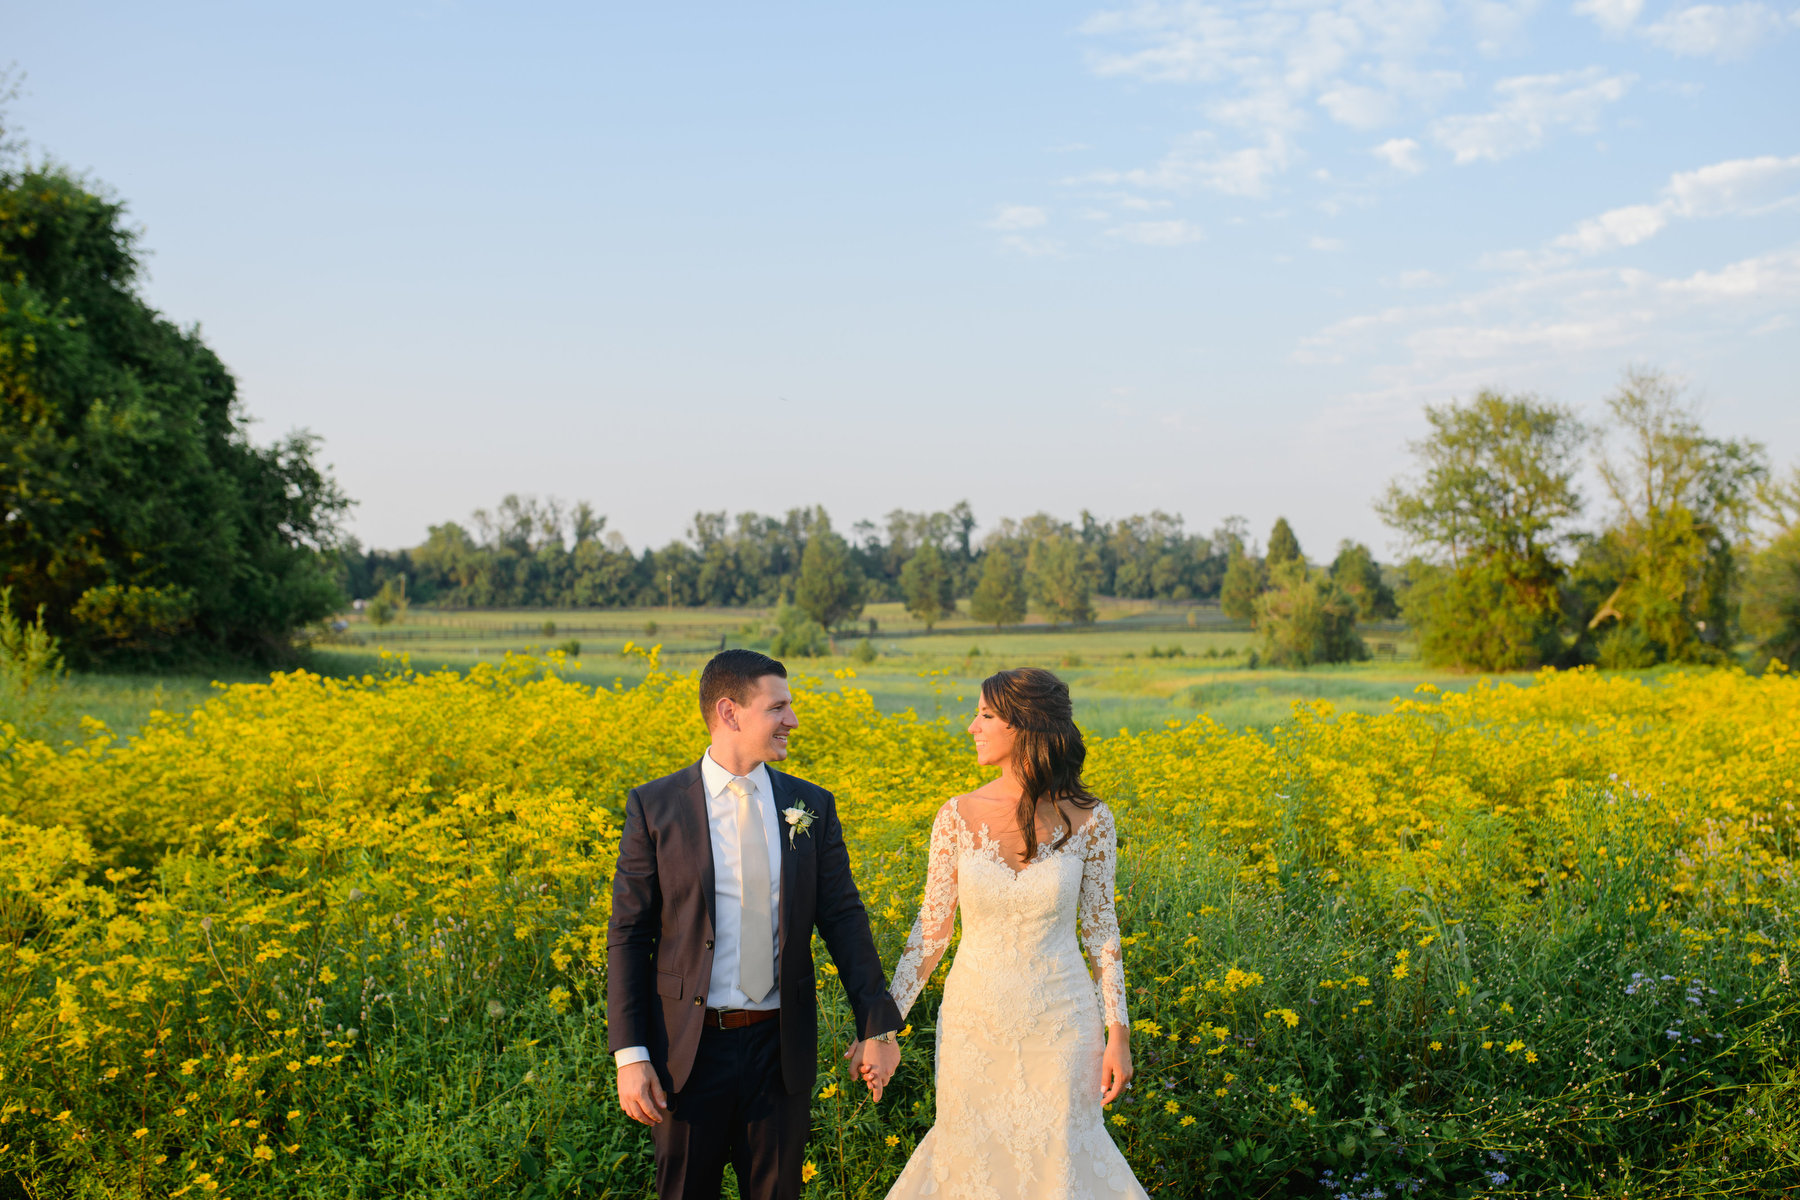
point(390, 604)
point(31, 670)
point(1482, 616)
point(1356, 571)
point(864, 652)
point(1771, 611)
point(1060, 577)
point(1683, 502)
point(1306, 618)
point(1284, 547)
point(830, 588)
point(999, 598)
point(928, 585)
point(796, 634)
point(528, 552)
point(1627, 648)
point(1153, 557)
point(1499, 484)
point(134, 618)
point(1245, 579)
point(141, 518)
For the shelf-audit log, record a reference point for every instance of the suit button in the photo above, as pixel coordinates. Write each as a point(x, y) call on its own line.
point(699, 1000)
point(709, 943)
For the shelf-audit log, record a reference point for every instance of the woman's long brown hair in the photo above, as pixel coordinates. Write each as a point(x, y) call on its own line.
point(1047, 751)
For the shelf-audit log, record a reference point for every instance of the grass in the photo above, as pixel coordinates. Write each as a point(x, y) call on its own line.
point(1138, 666)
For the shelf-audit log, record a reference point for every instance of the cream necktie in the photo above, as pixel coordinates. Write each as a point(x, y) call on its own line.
point(756, 939)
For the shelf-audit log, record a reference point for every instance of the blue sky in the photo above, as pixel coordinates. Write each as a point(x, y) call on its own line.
point(1207, 258)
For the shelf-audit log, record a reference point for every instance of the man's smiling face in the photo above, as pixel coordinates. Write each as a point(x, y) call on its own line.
point(759, 727)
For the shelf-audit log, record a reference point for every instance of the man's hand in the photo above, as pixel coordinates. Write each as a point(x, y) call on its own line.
point(874, 1063)
point(641, 1094)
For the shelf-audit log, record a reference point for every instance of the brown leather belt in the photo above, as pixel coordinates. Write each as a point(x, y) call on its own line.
point(738, 1018)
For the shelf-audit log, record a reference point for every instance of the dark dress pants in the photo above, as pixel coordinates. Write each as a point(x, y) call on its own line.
point(734, 1109)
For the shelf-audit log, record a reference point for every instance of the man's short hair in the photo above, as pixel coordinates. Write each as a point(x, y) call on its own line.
point(733, 673)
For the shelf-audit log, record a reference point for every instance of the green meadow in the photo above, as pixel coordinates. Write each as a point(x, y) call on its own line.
point(1136, 667)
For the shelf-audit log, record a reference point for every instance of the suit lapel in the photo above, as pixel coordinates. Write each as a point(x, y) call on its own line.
point(778, 785)
point(699, 830)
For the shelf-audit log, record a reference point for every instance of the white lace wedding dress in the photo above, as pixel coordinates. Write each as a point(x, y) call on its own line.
point(1020, 1034)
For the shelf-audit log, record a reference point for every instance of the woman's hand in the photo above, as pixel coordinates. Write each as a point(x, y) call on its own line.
point(1115, 1069)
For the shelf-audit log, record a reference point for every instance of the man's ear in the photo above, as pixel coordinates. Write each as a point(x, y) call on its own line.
point(725, 713)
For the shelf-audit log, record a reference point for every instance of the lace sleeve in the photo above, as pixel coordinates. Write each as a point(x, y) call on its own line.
point(1099, 920)
point(937, 914)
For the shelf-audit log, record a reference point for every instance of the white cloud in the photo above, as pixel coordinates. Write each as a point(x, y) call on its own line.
point(1326, 245)
point(1620, 227)
point(1196, 161)
point(1419, 279)
point(1526, 109)
point(1717, 30)
point(1267, 69)
point(1499, 23)
point(1359, 106)
point(1402, 154)
point(1158, 233)
point(1614, 16)
point(1767, 276)
point(1737, 187)
point(1561, 315)
point(1012, 217)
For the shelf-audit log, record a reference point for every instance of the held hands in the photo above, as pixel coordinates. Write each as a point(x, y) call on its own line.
point(1115, 1068)
point(874, 1063)
point(641, 1094)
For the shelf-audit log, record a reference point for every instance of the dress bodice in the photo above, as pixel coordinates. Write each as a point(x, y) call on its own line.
point(1020, 923)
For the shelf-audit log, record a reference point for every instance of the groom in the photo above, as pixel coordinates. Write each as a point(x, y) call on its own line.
point(725, 869)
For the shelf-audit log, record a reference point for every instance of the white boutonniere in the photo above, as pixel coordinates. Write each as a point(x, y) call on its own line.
point(799, 820)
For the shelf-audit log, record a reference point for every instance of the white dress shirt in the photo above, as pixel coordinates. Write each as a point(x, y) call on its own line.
point(728, 890)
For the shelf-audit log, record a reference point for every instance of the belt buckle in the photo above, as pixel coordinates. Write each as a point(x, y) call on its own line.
point(721, 1017)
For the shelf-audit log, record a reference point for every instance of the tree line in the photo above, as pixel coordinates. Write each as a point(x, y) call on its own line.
point(528, 552)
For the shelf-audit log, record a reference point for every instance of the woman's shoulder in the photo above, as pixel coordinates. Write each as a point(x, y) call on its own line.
point(951, 810)
point(1096, 818)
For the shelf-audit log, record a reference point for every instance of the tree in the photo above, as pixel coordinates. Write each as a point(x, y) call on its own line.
point(1683, 503)
point(1498, 489)
point(1356, 571)
point(1059, 572)
point(1284, 547)
point(1772, 582)
point(140, 515)
point(1245, 578)
point(928, 585)
point(1306, 618)
point(830, 589)
point(999, 598)
point(795, 634)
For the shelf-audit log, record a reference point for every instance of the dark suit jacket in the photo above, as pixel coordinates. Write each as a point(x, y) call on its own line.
point(659, 943)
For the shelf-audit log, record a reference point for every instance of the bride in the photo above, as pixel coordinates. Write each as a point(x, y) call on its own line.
point(1024, 1059)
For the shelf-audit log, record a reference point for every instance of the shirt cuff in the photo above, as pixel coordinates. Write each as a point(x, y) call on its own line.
point(629, 1055)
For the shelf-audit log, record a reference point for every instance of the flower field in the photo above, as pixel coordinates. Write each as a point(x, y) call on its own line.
point(346, 938)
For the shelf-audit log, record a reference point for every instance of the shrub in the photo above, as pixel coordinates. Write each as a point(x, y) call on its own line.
point(796, 635)
point(1306, 618)
point(31, 670)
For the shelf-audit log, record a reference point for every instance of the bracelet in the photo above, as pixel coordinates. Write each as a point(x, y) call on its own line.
point(889, 1038)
